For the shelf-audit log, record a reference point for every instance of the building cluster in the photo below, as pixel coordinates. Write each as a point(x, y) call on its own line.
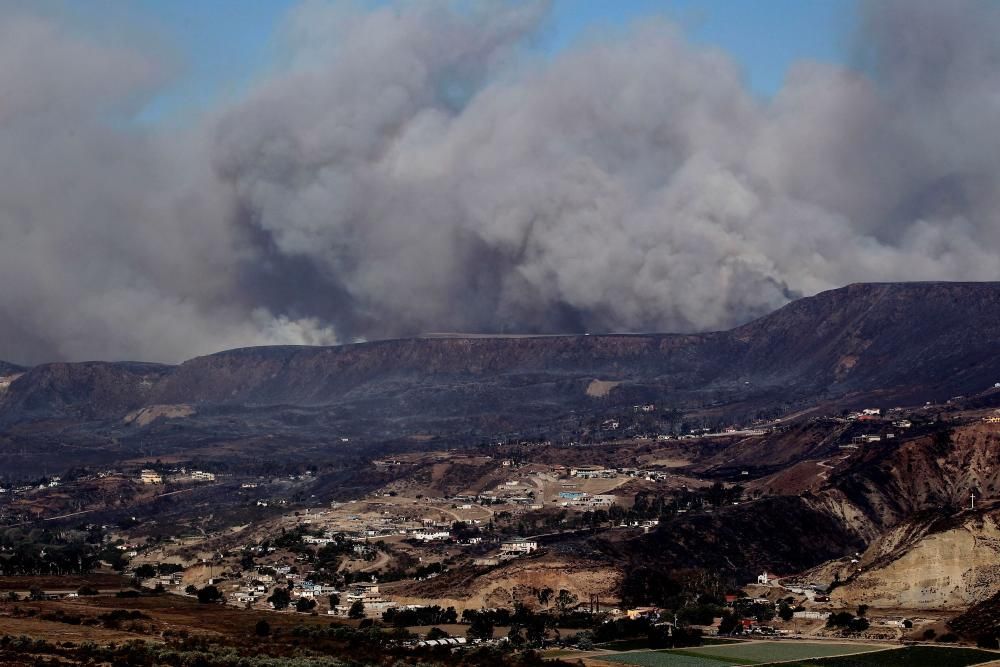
point(367, 593)
point(150, 476)
point(580, 499)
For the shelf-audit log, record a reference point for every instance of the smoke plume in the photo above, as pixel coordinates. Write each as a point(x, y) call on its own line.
point(423, 168)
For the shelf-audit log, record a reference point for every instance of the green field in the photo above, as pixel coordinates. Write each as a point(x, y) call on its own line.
point(665, 659)
point(765, 651)
point(746, 653)
point(911, 656)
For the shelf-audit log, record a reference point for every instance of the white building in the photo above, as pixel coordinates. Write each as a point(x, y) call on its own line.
point(368, 595)
point(518, 545)
point(150, 477)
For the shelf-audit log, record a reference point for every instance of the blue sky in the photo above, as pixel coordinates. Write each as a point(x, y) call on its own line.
point(765, 36)
point(221, 45)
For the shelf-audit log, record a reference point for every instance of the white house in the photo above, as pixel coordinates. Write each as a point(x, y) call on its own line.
point(518, 545)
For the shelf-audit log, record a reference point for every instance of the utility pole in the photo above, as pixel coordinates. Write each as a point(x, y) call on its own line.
point(973, 496)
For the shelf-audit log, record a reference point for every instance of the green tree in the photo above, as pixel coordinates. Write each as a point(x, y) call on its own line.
point(481, 627)
point(565, 601)
point(729, 623)
point(357, 610)
point(209, 594)
point(262, 629)
point(280, 598)
point(785, 612)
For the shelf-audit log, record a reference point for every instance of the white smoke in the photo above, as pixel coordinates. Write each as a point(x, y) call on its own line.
point(419, 167)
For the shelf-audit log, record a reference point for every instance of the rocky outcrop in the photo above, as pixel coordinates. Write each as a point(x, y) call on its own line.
point(915, 566)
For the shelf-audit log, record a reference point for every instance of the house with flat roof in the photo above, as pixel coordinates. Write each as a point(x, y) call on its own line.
point(150, 477)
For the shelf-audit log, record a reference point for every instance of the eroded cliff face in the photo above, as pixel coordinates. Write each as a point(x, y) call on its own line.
point(927, 548)
point(889, 483)
point(915, 565)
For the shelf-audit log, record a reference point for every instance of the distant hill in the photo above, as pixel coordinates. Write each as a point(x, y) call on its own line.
point(8, 368)
point(907, 341)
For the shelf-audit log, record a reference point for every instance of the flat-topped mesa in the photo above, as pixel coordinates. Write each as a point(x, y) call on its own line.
point(914, 339)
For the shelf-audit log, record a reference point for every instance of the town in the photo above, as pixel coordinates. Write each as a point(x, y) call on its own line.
point(491, 547)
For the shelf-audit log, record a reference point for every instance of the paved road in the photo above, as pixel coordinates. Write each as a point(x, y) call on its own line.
point(102, 509)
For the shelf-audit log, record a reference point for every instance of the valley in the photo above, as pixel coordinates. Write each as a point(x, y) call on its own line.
point(826, 473)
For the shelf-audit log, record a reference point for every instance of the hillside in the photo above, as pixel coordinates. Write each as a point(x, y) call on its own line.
point(928, 564)
point(904, 343)
point(919, 339)
point(9, 369)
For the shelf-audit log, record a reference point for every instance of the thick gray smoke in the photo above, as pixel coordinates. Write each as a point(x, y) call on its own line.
point(422, 168)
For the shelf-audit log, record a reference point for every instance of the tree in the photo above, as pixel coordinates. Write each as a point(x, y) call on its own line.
point(304, 604)
point(209, 594)
point(859, 624)
point(334, 600)
point(262, 629)
point(280, 598)
point(545, 595)
point(481, 627)
point(785, 612)
point(534, 632)
point(436, 633)
point(565, 601)
point(729, 623)
point(357, 610)
point(145, 571)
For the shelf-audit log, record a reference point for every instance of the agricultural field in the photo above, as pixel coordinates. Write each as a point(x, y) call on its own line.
point(770, 651)
point(665, 659)
point(938, 656)
point(744, 653)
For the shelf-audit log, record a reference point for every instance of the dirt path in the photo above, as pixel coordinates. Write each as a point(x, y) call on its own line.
point(380, 561)
point(825, 474)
